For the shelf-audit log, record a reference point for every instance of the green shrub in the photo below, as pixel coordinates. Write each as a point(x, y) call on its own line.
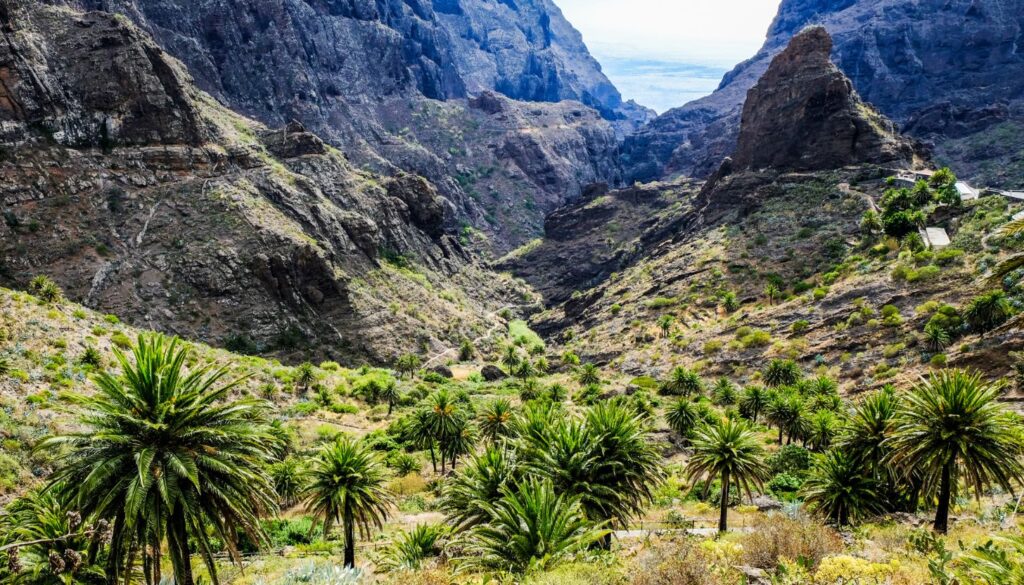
point(120, 340)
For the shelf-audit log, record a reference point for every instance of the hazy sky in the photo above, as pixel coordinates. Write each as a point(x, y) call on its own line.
point(655, 50)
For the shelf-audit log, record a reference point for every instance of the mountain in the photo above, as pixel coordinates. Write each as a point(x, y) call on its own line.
point(803, 114)
point(948, 72)
point(675, 273)
point(142, 196)
point(387, 81)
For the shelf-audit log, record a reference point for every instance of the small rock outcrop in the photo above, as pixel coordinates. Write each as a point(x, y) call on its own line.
point(492, 373)
point(804, 114)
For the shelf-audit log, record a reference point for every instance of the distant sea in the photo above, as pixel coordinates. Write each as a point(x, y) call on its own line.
point(661, 85)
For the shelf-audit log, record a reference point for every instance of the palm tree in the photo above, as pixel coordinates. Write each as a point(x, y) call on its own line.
point(665, 323)
point(988, 311)
point(771, 290)
point(786, 411)
point(410, 548)
point(780, 372)
point(730, 450)
point(821, 429)
point(510, 358)
point(407, 364)
point(753, 402)
point(305, 375)
point(445, 421)
point(723, 393)
point(464, 498)
point(531, 527)
point(346, 483)
point(838, 489)
point(951, 425)
point(47, 542)
point(164, 455)
point(419, 430)
point(683, 418)
point(682, 381)
point(462, 440)
point(607, 459)
point(287, 476)
point(495, 420)
point(390, 394)
point(524, 370)
point(589, 374)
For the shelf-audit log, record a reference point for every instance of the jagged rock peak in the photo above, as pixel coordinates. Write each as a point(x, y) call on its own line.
point(804, 114)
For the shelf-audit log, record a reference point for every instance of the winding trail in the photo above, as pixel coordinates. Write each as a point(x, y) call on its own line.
point(477, 340)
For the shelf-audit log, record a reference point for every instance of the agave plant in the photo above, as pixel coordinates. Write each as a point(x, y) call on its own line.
point(531, 527)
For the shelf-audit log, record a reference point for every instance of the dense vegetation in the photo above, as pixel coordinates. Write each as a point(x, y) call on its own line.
point(143, 458)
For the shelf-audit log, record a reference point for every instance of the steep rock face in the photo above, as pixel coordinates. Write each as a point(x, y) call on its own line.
point(803, 114)
point(364, 74)
point(193, 220)
point(946, 71)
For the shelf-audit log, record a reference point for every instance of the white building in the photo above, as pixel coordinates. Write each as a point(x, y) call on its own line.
point(935, 238)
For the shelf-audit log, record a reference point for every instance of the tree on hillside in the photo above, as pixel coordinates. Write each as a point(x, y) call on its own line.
point(772, 291)
point(987, 311)
point(951, 426)
point(347, 485)
point(682, 382)
point(729, 450)
point(407, 364)
point(305, 375)
point(753, 402)
point(781, 372)
point(164, 456)
point(665, 323)
point(390, 394)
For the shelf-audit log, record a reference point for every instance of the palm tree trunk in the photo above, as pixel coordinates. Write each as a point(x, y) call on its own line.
point(945, 493)
point(433, 458)
point(350, 540)
point(780, 434)
point(116, 556)
point(391, 406)
point(723, 511)
point(177, 540)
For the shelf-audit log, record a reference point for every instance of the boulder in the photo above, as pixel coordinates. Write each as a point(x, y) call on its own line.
point(443, 371)
point(493, 373)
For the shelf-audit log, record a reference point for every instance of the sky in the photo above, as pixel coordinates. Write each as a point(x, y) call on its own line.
point(664, 53)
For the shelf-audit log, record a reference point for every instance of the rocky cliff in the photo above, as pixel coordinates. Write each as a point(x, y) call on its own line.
point(803, 114)
point(142, 196)
point(366, 75)
point(950, 73)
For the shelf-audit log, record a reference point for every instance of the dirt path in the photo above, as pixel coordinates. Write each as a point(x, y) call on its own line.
point(488, 333)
